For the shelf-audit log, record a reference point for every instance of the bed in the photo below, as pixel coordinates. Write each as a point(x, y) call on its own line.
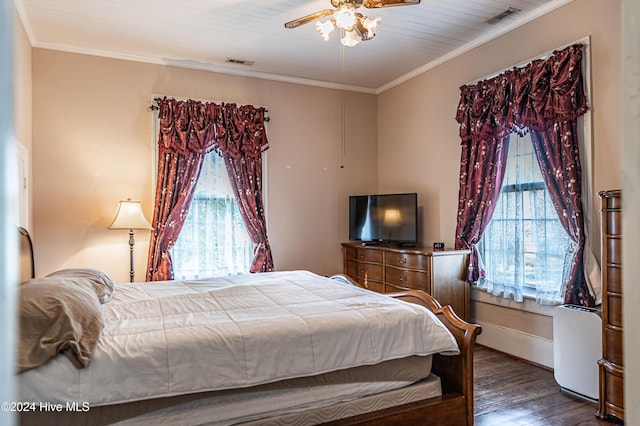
point(281, 348)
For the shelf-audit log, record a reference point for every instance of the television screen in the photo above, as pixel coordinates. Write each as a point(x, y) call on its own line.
point(384, 218)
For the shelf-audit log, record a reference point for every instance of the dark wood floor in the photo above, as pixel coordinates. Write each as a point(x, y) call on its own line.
point(511, 392)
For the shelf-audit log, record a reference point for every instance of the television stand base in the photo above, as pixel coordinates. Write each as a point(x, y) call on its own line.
point(373, 243)
point(386, 243)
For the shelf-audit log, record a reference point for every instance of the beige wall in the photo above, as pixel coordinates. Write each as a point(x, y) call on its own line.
point(418, 135)
point(92, 146)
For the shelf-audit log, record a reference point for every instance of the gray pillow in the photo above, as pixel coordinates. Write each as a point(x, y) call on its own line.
point(57, 316)
point(102, 284)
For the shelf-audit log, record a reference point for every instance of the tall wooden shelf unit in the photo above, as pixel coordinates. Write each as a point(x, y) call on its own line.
point(389, 269)
point(611, 366)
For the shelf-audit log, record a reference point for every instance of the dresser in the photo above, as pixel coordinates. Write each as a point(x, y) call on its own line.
point(611, 366)
point(389, 269)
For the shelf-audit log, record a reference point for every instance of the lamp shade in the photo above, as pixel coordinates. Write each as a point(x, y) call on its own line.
point(130, 216)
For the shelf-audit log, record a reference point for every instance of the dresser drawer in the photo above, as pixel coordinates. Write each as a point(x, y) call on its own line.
point(351, 268)
point(613, 390)
point(614, 250)
point(351, 253)
point(369, 272)
point(390, 288)
point(613, 346)
point(373, 286)
point(614, 310)
point(614, 278)
point(407, 279)
point(406, 260)
point(613, 224)
point(367, 255)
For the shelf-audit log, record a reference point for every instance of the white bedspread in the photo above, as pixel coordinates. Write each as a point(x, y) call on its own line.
point(170, 338)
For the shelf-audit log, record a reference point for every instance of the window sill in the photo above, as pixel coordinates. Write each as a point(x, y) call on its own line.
point(528, 305)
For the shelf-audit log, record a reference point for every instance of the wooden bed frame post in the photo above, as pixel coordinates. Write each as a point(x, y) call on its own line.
point(455, 406)
point(455, 372)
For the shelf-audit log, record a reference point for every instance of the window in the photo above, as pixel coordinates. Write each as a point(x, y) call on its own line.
point(524, 247)
point(213, 240)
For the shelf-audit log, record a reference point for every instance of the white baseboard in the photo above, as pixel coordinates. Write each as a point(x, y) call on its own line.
point(522, 345)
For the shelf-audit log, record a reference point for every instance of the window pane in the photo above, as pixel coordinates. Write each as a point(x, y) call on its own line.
point(524, 245)
point(213, 240)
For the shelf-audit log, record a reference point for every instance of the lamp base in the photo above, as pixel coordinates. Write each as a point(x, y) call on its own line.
point(132, 242)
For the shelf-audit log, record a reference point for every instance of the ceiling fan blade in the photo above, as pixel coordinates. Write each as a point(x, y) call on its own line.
point(300, 21)
point(372, 4)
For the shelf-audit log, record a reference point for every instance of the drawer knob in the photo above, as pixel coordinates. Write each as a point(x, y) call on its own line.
point(403, 278)
point(403, 260)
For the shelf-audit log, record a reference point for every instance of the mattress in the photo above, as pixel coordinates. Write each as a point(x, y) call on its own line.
point(307, 407)
point(296, 401)
point(424, 389)
point(174, 338)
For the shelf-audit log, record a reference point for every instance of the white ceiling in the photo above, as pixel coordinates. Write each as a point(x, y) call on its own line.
point(203, 34)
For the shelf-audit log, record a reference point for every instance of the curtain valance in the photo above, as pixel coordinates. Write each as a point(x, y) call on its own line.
point(201, 127)
point(536, 96)
point(240, 131)
point(186, 126)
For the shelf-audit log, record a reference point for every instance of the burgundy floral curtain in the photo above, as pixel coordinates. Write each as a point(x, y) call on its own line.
point(562, 172)
point(187, 134)
point(545, 97)
point(482, 169)
point(241, 139)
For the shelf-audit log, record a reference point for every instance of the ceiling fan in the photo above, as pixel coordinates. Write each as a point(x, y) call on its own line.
point(356, 26)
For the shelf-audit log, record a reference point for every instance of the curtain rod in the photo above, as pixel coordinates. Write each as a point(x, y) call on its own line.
point(154, 107)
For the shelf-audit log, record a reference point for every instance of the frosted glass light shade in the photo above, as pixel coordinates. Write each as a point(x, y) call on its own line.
point(351, 38)
point(371, 25)
point(325, 29)
point(345, 17)
point(130, 216)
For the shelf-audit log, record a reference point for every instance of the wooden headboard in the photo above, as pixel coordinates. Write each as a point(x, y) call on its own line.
point(27, 264)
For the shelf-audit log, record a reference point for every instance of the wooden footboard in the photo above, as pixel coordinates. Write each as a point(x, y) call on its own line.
point(455, 406)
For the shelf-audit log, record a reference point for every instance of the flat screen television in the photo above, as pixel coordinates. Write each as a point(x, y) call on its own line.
point(384, 219)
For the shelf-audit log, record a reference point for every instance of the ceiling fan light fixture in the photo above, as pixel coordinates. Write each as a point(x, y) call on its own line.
point(355, 26)
point(325, 28)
